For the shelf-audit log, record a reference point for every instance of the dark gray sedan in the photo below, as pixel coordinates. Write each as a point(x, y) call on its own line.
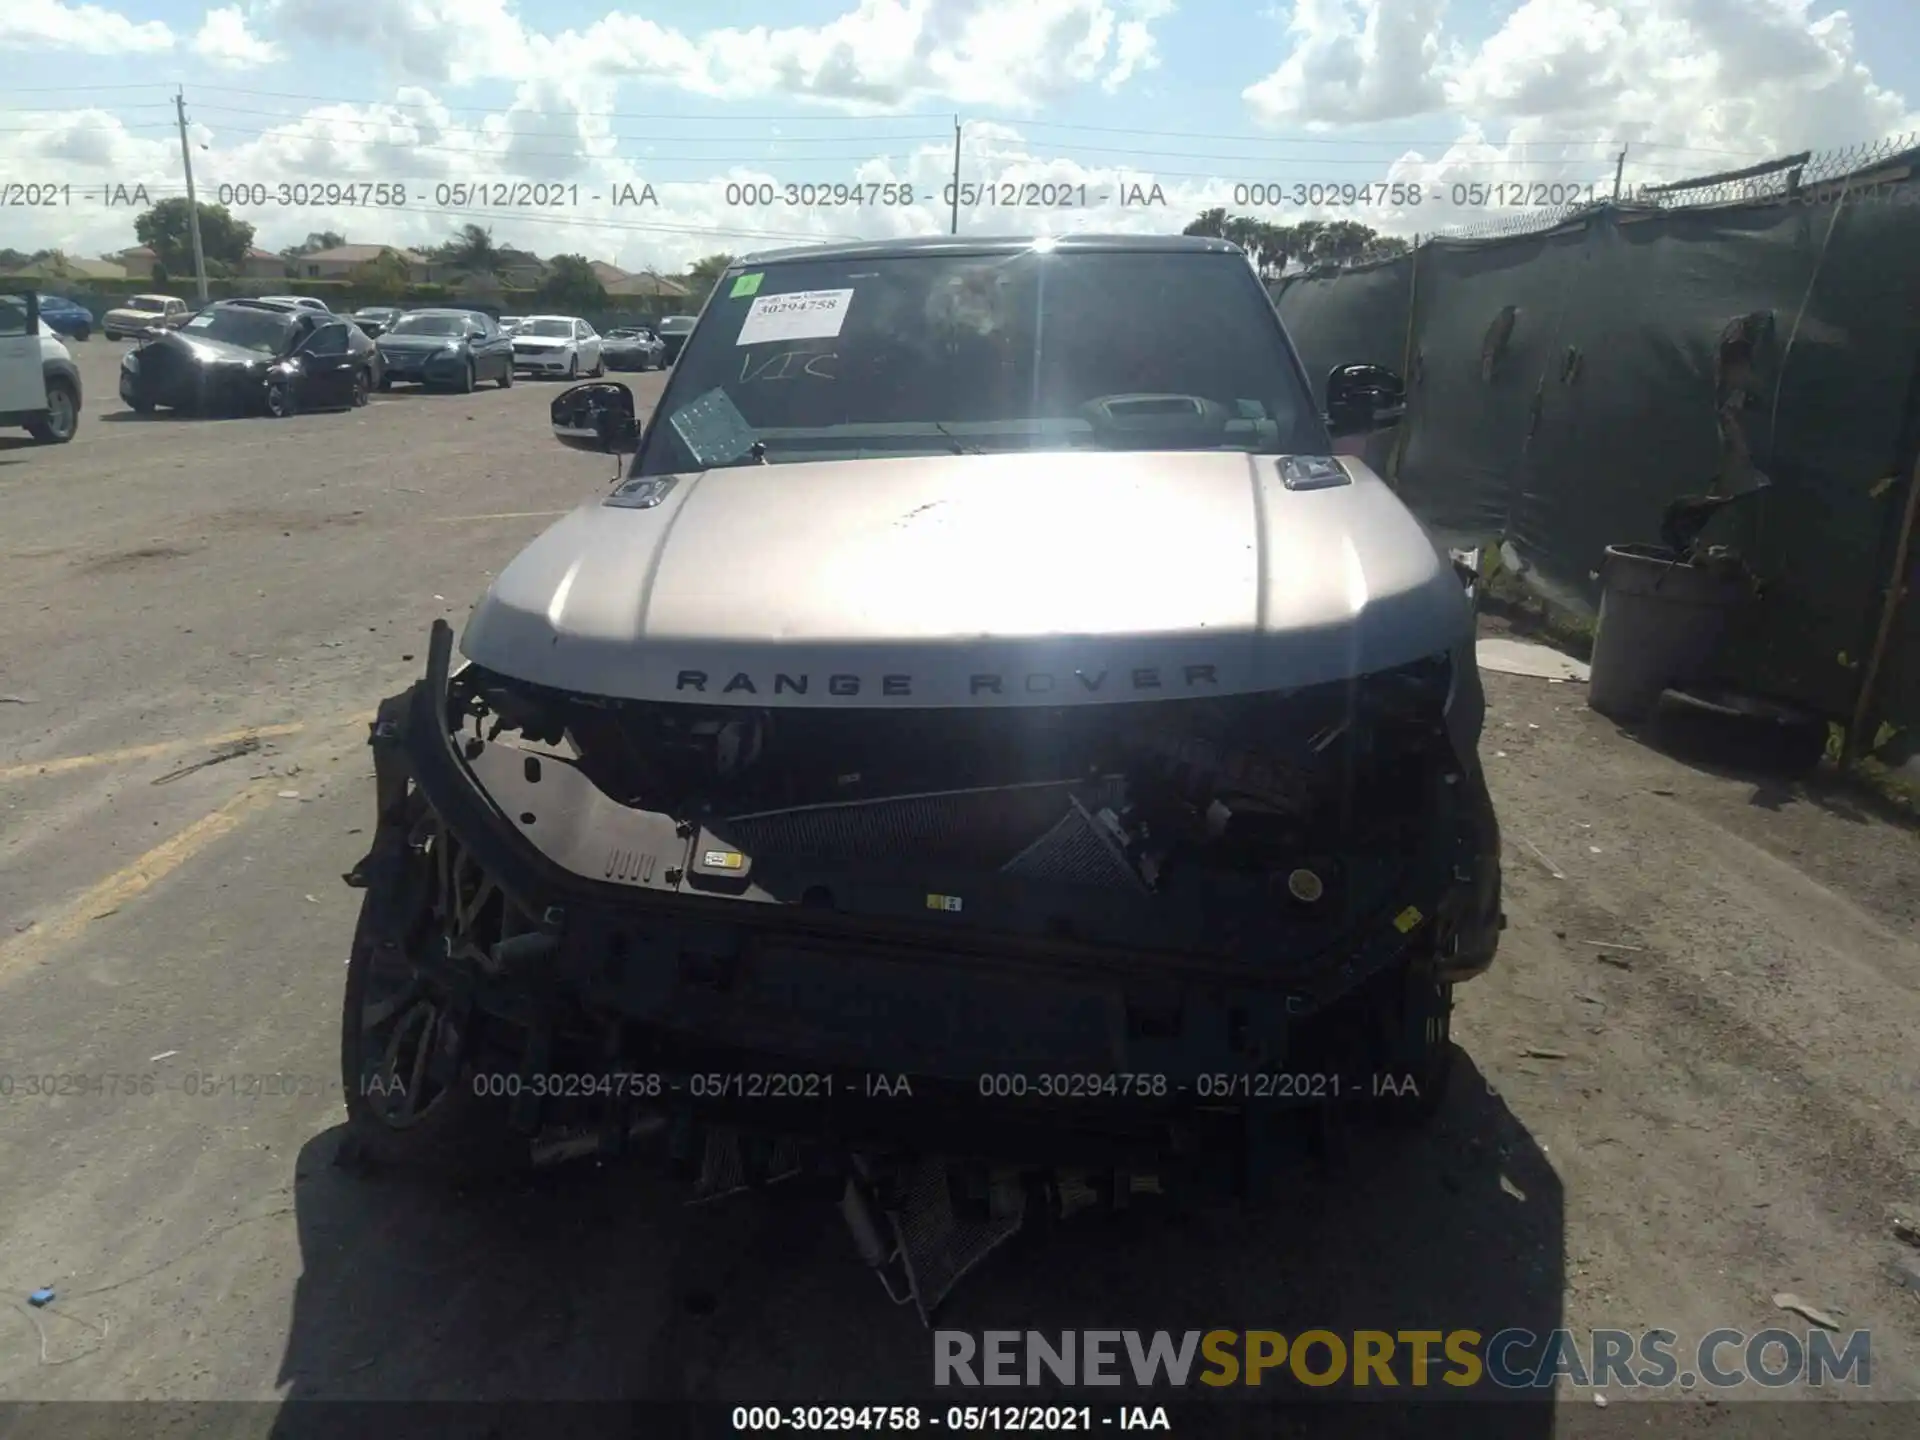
point(632, 348)
point(446, 349)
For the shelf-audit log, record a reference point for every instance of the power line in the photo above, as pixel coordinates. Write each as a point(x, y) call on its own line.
point(613, 115)
point(495, 217)
point(564, 134)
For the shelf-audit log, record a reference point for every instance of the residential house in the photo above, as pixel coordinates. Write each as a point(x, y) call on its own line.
point(647, 284)
point(341, 261)
point(258, 265)
point(68, 268)
point(519, 270)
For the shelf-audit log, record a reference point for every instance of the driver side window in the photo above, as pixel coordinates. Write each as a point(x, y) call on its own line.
point(327, 340)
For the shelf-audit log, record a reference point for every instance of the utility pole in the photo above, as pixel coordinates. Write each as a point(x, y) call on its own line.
point(956, 177)
point(193, 205)
point(1619, 169)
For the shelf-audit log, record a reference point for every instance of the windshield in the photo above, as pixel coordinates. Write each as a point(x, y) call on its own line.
point(262, 330)
point(559, 329)
point(429, 325)
point(916, 355)
point(377, 313)
point(148, 303)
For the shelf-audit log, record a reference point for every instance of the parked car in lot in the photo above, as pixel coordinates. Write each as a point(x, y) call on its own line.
point(65, 317)
point(252, 356)
point(632, 348)
point(510, 324)
point(376, 320)
point(674, 330)
point(454, 349)
point(304, 302)
point(557, 345)
point(39, 383)
point(142, 313)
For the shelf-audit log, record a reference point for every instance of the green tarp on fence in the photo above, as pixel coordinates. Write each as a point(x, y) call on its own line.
point(1566, 385)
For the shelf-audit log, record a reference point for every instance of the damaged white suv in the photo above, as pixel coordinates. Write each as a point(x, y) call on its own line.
point(985, 719)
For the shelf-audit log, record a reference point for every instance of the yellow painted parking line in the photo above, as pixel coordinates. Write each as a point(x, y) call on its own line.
point(134, 880)
point(503, 515)
point(131, 881)
point(67, 764)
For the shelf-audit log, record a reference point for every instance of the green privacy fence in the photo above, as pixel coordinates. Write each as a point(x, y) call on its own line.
point(1566, 382)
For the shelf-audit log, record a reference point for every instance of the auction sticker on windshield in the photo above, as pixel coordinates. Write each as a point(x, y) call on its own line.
point(200, 322)
point(803, 315)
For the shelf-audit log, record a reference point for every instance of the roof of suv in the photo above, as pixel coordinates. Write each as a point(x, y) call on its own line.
point(996, 245)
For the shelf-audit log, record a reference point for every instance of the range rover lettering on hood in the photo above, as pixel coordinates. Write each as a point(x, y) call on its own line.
point(1032, 682)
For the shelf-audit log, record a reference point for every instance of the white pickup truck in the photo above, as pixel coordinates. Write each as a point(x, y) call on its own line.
point(39, 383)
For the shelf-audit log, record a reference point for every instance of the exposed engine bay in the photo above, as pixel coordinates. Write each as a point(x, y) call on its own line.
point(1129, 796)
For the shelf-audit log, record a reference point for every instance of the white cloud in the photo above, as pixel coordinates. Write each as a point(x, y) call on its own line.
point(226, 41)
point(1687, 86)
point(52, 25)
point(1353, 62)
point(878, 55)
point(434, 151)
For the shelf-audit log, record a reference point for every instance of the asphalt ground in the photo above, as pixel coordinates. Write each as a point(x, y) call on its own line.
point(1689, 1087)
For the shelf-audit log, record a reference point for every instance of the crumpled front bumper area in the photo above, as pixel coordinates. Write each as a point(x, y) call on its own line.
point(649, 944)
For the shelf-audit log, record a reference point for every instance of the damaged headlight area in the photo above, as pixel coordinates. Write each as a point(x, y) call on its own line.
point(1080, 940)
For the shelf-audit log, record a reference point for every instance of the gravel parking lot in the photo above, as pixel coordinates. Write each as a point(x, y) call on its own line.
point(1690, 1085)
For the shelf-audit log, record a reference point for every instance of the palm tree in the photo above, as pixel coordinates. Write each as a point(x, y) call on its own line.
point(472, 252)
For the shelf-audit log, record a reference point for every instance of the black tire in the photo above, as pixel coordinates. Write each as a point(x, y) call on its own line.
point(111, 334)
point(141, 407)
point(85, 334)
point(599, 369)
point(459, 1134)
point(280, 400)
point(506, 376)
point(362, 388)
point(1742, 731)
point(62, 419)
point(467, 379)
point(1417, 1011)
point(573, 367)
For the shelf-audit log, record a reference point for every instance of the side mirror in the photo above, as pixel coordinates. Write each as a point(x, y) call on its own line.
point(1363, 398)
point(598, 416)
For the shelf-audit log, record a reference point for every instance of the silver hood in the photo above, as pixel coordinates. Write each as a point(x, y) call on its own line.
point(975, 580)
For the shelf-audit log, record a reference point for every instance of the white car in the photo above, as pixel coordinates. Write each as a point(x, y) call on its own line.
point(305, 302)
point(141, 313)
point(557, 345)
point(39, 383)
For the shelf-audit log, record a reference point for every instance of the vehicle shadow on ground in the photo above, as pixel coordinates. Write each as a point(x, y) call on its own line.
point(596, 1283)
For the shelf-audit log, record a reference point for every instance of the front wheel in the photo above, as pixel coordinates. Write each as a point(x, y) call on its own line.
point(280, 400)
point(467, 379)
point(362, 388)
point(506, 376)
point(573, 366)
point(62, 419)
point(413, 1059)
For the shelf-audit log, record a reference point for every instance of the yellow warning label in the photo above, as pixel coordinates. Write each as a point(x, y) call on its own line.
point(1406, 920)
point(943, 902)
point(723, 860)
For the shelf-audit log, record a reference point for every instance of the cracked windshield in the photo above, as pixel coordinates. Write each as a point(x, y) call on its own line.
point(906, 717)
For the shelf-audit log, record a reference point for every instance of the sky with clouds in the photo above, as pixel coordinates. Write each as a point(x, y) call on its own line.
point(656, 133)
